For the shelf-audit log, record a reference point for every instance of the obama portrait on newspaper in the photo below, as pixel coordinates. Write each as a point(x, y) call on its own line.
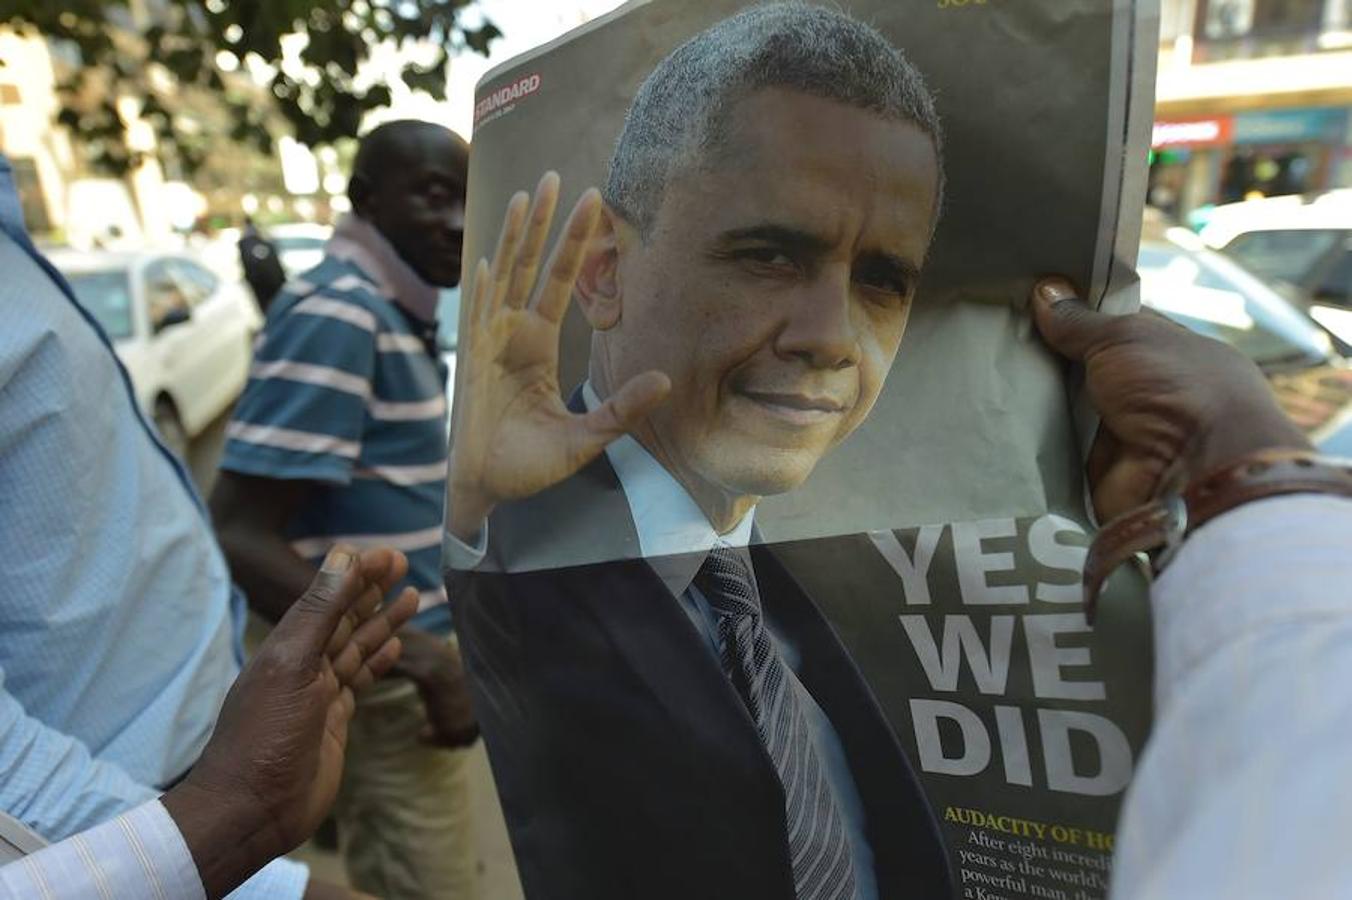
point(667, 712)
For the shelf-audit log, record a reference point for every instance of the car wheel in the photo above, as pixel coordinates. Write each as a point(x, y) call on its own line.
point(170, 428)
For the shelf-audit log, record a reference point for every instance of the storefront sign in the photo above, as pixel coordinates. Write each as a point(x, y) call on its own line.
point(1290, 126)
point(1193, 133)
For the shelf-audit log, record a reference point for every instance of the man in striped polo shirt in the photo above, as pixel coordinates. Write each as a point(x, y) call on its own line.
point(341, 436)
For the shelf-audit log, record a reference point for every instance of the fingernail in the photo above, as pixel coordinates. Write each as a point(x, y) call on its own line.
point(337, 562)
point(1054, 290)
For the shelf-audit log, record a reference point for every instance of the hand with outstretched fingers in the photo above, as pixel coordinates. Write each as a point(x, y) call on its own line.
point(270, 772)
point(513, 435)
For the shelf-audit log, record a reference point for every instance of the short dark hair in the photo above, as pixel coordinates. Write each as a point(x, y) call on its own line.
point(381, 146)
point(679, 109)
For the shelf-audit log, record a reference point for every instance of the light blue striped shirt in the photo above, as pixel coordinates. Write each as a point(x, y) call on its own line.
point(344, 393)
point(118, 623)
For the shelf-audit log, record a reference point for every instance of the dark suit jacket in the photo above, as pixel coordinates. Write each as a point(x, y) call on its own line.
point(628, 767)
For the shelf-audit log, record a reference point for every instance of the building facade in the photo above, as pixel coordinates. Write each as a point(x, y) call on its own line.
point(39, 151)
point(1252, 99)
point(62, 198)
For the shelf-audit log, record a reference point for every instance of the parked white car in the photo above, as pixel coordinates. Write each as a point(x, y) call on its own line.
point(184, 334)
point(1228, 221)
point(1304, 248)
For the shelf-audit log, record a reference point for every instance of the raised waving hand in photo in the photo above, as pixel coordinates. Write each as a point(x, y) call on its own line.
point(514, 436)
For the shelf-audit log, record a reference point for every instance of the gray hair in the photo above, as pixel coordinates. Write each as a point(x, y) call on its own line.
point(680, 107)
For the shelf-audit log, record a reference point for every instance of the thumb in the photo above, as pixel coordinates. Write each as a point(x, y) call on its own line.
point(312, 619)
point(620, 413)
point(1068, 326)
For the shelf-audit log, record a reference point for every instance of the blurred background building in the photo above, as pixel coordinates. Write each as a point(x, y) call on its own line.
point(41, 153)
point(1253, 99)
point(157, 200)
point(68, 198)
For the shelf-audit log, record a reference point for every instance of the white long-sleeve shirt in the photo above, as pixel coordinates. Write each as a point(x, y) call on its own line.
point(1245, 786)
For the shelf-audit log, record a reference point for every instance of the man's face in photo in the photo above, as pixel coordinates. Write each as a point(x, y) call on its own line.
point(774, 288)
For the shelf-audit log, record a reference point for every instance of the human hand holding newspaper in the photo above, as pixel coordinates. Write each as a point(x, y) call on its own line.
point(1174, 404)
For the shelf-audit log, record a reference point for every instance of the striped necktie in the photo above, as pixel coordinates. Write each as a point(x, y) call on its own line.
point(819, 852)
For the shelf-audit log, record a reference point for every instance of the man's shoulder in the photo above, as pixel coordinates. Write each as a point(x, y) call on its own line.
point(49, 331)
point(338, 278)
point(336, 289)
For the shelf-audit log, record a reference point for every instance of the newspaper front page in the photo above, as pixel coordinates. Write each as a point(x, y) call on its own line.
point(835, 280)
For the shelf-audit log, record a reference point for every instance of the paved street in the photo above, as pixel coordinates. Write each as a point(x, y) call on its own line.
point(497, 870)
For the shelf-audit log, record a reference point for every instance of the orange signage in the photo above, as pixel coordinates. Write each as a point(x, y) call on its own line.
point(1193, 132)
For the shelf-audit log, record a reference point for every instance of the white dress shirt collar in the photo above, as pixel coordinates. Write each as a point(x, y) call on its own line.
point(673, 533)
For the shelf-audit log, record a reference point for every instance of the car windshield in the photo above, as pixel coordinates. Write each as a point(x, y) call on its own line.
point(107, 296)
point(1283, 255)
point(297, 242)
point(1215, 297)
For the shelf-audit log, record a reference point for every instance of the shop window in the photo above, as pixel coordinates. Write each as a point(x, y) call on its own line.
point(1230, 29)
point(1267, 172)
point(1287, 16)
point(1224, 19)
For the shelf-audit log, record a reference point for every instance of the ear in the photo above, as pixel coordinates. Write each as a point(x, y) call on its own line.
point(362, 194)
point(599, 294)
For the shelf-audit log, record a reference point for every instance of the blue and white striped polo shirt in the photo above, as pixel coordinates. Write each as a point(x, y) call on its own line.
point(343, 392)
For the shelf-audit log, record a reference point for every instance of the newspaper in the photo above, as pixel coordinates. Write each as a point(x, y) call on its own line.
point(17, 840)
point(925, 571)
